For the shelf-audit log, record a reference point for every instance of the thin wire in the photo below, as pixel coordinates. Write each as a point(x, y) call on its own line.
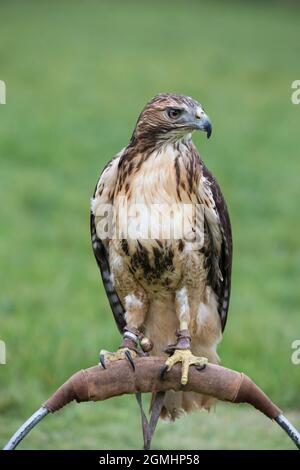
point(26, 428)
point(289, 429)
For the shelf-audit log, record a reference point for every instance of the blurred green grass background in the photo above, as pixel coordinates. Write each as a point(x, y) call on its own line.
point(77, 75)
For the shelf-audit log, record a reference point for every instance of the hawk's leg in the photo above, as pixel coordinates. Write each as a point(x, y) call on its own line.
point(136, 305)
point(181, 350)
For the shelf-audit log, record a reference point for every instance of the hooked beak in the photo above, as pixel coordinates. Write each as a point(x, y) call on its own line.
point(202, 122)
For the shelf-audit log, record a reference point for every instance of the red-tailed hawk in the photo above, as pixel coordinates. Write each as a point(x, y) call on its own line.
point(168, 293)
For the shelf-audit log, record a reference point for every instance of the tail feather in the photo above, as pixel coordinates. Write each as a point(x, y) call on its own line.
point(177, 404)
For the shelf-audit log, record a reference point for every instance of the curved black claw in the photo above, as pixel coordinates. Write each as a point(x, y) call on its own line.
point(129, 358)
point(163, 371)
point(199, 368)
point(102, 361)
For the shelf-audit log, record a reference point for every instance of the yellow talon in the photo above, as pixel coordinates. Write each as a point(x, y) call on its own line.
point(116, 356)
point(188, 359)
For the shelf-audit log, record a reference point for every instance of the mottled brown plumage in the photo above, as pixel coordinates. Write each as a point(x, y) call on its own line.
point(158, 285)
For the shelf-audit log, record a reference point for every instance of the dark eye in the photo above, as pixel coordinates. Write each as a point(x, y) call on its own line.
point(174, 113)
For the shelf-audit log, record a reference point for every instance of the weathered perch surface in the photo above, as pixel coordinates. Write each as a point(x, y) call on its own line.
point(96, 384)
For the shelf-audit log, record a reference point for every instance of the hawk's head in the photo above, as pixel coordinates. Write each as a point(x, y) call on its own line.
point(170, 117)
